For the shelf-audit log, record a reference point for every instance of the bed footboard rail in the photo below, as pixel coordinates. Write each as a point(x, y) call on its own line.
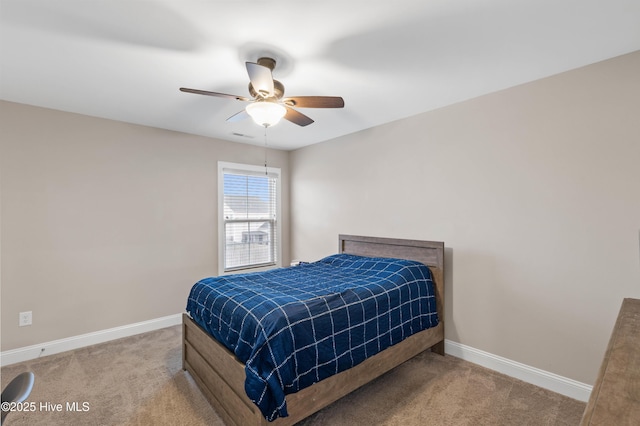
point(220, 376)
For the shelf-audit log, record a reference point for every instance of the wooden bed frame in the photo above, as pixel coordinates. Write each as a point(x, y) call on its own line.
point(220, 375)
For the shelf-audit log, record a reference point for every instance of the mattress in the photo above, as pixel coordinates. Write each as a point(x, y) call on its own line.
point(293, 327)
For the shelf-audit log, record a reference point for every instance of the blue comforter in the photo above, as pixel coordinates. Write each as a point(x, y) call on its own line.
point(293, 327)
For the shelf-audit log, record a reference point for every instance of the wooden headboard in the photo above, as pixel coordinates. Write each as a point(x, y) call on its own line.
point(431, 253)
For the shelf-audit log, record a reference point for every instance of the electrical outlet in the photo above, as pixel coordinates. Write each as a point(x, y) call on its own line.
point(25, 318)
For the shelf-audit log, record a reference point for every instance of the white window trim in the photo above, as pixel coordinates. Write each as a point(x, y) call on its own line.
point(247, 168)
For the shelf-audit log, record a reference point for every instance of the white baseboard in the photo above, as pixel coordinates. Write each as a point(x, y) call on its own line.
point(535, 376)
point(49, 348)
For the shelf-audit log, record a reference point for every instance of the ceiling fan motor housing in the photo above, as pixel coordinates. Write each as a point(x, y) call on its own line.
point(278, 90)
point(267, 62)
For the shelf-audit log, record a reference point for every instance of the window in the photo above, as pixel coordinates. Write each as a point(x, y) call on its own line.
point(249, 216)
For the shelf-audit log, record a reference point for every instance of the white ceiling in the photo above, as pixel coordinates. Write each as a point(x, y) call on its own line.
point(125, 59)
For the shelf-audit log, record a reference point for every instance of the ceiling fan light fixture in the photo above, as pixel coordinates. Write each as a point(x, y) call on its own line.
point(267, 105)
point(266, 113)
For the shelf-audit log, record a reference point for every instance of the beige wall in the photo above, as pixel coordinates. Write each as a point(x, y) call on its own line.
point(104, 223)
point(535, 190)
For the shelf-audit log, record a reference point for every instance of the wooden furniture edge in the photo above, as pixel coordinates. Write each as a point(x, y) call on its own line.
point(220, 375)
point(615, 397)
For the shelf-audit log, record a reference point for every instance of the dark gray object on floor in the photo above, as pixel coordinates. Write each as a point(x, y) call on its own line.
point(17, 391)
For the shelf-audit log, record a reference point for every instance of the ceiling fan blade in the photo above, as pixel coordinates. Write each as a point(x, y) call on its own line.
point(220, 95)
point(239, 116)
point(315, 101)
point(261, 79)
point(296, 117)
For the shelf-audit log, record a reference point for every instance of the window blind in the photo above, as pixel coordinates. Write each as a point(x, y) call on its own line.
point(250, 219)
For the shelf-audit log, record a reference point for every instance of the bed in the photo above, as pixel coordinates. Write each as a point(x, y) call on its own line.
point(221, 375)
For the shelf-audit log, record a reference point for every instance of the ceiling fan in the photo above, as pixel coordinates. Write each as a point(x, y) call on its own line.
point(267, 105)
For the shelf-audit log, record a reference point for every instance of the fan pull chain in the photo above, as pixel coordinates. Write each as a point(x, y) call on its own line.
point(265, 151)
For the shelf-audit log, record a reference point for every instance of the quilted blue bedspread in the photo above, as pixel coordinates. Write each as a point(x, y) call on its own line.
point(293, 327)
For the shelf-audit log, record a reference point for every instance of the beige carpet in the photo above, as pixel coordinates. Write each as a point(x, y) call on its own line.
point(139, 381)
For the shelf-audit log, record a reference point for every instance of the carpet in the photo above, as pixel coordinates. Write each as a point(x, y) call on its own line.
point(139, 380)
